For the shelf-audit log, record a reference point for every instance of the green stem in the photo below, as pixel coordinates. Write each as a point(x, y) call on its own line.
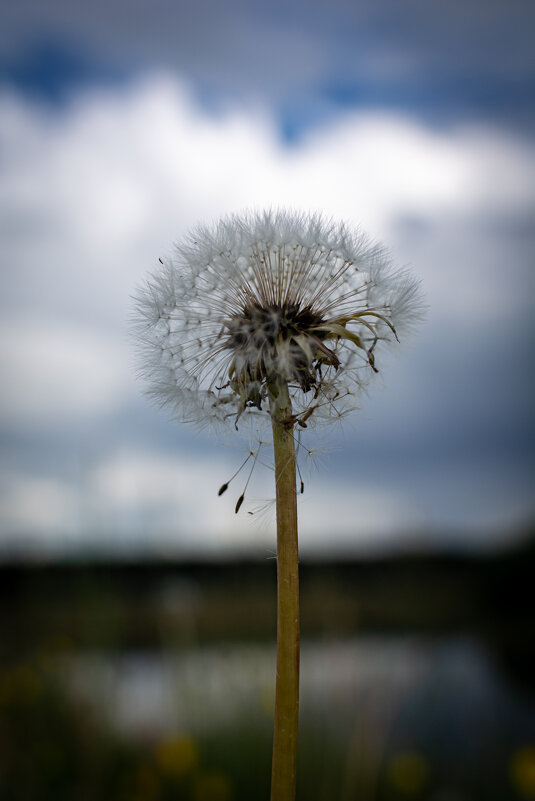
point(287, 685)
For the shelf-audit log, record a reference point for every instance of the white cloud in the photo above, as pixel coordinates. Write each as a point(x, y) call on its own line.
point(180, 494)
point(171, 503)
point(37, 506)
point(54, 374)
point(337, 515)
point(174, 498)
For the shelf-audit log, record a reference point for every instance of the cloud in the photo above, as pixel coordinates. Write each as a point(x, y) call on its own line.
point(167, 487)
point(137, 501)
point(349, 517)
point(170, 504)
point(36, 509)
point(54, 374)
point(304, 60)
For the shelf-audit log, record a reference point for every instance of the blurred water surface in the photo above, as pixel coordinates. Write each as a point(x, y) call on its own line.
point(155, 682)
point(381, 716)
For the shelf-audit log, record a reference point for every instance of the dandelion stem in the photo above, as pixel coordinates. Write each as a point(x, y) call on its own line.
point(283, 775)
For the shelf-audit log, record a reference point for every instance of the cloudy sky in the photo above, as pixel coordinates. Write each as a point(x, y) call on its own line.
point(123, 124)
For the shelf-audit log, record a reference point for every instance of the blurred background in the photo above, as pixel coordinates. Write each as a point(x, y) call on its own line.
point(137, 610)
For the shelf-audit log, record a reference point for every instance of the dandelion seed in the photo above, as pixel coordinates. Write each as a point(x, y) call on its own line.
point(302, 483)
point(224, 487)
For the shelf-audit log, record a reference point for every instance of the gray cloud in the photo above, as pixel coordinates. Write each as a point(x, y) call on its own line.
point(304, 60)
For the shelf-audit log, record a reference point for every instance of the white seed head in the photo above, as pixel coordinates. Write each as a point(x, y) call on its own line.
point(263, 297)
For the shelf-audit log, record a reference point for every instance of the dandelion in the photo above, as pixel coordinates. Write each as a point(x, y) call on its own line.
point(272, 318)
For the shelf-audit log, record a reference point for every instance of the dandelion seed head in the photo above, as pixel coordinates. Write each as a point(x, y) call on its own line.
point(265, 296)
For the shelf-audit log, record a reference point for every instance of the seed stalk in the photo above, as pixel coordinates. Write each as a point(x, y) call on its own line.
point(284, 764)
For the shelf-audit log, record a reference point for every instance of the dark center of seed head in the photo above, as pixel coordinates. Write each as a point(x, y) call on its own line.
point(260, 325)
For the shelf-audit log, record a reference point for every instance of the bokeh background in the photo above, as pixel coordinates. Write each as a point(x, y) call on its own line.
point(137, 609)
